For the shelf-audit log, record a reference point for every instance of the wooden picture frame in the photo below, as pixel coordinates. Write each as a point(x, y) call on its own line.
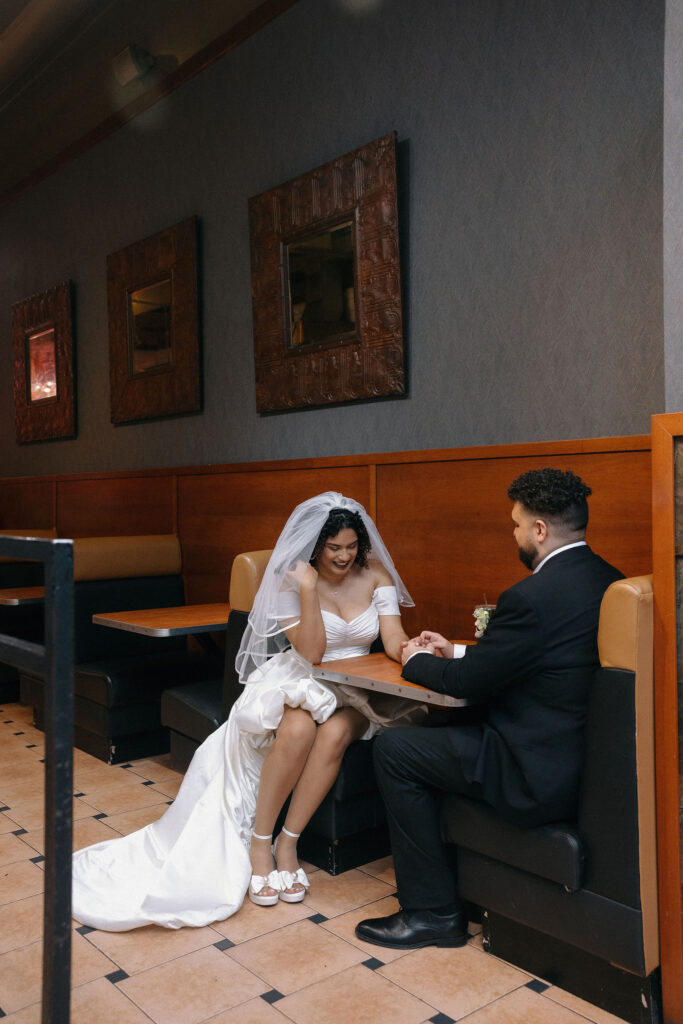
point(44, 396)
point(154, 366)
point(326, 283)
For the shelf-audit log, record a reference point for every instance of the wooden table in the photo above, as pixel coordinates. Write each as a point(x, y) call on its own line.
point(378, 672)
point(22, 595)
point(187, 618)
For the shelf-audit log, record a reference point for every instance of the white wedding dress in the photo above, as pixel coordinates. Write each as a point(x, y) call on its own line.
point(191, 867)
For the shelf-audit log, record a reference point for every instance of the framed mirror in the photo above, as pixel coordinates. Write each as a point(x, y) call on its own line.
point(326, 284)
point(154, 326)
point(44, 398)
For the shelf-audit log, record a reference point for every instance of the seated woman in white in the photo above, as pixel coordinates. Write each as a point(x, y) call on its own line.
point(321, 598)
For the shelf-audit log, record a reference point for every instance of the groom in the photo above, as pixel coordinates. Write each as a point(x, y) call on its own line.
point(532, 671)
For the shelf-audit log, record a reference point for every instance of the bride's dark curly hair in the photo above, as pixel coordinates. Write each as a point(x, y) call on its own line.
point(342, 519)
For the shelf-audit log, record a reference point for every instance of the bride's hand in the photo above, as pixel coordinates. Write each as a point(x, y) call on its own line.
point(442, 648)
point(303, 575)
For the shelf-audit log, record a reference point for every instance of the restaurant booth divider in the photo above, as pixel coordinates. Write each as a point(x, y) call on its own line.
point(119, 676)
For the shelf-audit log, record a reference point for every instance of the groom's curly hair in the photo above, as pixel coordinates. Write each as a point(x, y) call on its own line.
point(556, 494)
point(342, 519)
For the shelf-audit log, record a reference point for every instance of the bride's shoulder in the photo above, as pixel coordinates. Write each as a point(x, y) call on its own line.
point(380, 575)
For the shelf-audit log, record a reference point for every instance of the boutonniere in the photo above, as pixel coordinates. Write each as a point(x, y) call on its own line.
point(482, 616)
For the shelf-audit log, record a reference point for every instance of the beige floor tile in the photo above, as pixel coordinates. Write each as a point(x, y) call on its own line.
point(524, 1007)
point(344, 927)
point(21, 923)
point(21, 790)
point(594, 1013)
point(251, 920)
point(21, 971)
point(337, 894)
point(131, 821)
point(86, 831)
point(18, 881)
point(100, 1001)
point(12, 849)
point(358, 995)
point(30, 814)
point(169, 786)
point(114, 798)
point(150, 768)
point(142, 948)
point(297, 955)
point(382, 869)
point(455, 981)
point(29, 1015)
point(102, 775)
point(256, 1011)
point(190, 989)
point(7, 824)
point(83, 760)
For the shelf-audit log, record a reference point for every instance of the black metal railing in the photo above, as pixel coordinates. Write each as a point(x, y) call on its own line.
point(53, 660)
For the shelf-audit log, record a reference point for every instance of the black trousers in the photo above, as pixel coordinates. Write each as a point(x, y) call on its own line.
point(414, 765)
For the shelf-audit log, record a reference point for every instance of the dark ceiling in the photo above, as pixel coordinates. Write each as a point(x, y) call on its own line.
point(58, 85)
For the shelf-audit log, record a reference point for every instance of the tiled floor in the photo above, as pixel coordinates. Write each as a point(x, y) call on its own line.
point(299, 963)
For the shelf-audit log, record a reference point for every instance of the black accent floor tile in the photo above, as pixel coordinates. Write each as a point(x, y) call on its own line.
point(125, 766)
point(442, 1018)
point(116, 976)
point(5, 808)
point(373, 963)
point(272, 996)
point(30, 746)
point(19, 734)
point(149, 782)
point(99, 816)
point(79, 794)
point(317, 918)
point(37, 860)
point(20, 832)
point(536, 985)
point(85, 929)
point(9, 721)
point(224, 944)
point(2, 1013)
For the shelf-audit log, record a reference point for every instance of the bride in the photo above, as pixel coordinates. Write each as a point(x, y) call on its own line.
point(322, 597)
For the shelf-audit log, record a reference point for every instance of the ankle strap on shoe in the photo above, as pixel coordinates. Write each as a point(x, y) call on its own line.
point(292, 835)
point(255, 835)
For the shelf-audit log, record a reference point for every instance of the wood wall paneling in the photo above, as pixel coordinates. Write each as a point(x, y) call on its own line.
point(108, 506)
point(222, 514)
point(26, 504)
point(449, 530)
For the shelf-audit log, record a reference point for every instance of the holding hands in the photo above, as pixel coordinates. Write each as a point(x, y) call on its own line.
point(427, 642)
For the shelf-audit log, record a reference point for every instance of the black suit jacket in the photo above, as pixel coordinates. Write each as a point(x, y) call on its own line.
point(533, 668)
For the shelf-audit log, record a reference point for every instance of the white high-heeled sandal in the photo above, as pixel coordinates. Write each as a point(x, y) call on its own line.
point(258, 883)
point(288, 879)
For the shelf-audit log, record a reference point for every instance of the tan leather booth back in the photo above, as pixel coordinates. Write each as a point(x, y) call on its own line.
point(625, 642)
point(108, 558)
point(245, 577)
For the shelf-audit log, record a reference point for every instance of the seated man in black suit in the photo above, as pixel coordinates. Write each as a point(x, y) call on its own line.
point(532, 670)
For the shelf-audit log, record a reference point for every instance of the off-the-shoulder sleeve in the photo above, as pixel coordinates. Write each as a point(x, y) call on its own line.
point(385, 600)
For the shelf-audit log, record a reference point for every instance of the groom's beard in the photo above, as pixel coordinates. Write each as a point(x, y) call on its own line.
point(527, 556)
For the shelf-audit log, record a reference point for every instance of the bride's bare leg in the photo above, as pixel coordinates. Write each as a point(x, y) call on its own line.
point(321, 769)
point(282, 767)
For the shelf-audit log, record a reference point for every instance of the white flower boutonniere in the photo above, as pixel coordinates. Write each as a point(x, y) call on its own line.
point(482, 615)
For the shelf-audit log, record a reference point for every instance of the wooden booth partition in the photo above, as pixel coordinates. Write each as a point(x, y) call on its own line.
point(447, 520)
point(667, 507)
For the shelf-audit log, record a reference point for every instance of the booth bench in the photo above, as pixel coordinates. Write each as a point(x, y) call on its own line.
point(576, 902)
point(119, 677)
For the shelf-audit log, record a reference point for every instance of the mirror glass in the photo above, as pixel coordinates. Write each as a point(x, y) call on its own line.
point(149, 319)
point(42, 365)
point(322, 296)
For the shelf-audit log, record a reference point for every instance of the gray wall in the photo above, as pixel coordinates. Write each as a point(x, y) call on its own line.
point(530, 178)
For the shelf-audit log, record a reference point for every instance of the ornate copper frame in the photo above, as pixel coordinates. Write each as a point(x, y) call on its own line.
point(48, 312)
point(175, 388)
point(359, 187)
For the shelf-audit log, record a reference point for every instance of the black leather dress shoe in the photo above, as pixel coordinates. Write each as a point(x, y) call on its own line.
point(412, 929)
